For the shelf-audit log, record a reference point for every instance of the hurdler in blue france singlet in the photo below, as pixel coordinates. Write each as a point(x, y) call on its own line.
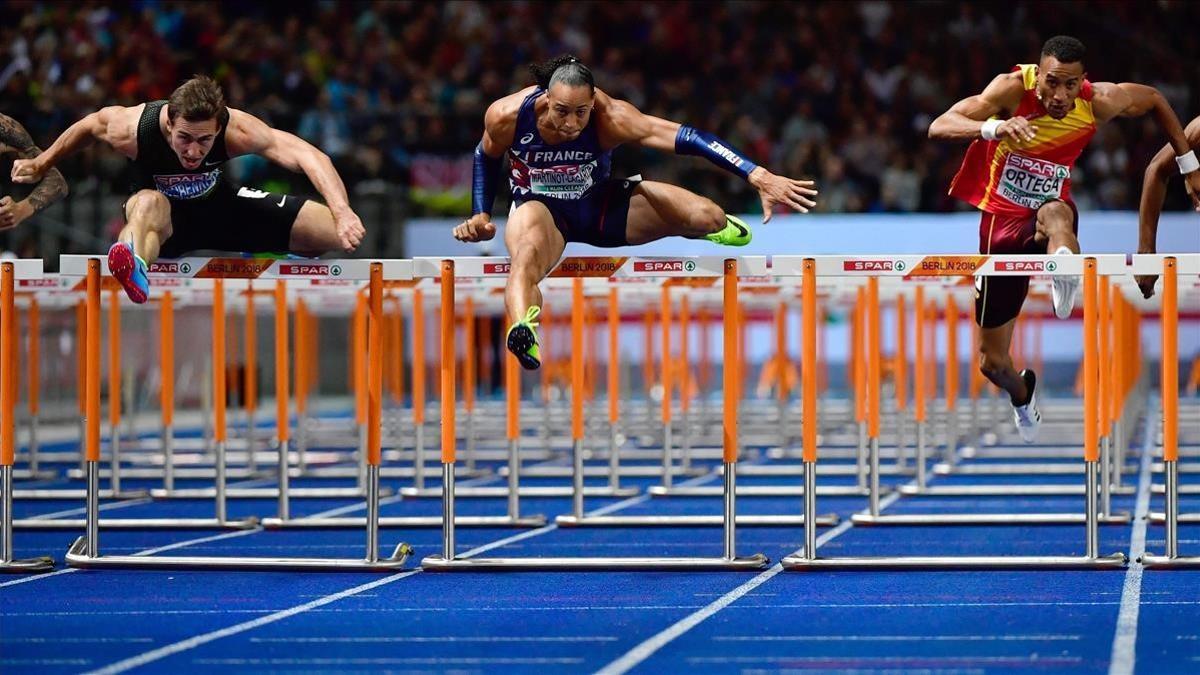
point(570, 178)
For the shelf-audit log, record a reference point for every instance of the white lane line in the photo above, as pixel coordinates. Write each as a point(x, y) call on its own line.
point(895, 638)
point(647, 648)
point(142, 659)
point(464, 661)
point(149, 551)
point(1124, 646)
point(844, 661)
point(444, 638)
point(193, 642)
point(83, 509)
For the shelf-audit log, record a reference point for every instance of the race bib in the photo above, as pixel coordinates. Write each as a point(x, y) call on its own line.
point(568, 181)
point(187, 185)
point(1031, 182)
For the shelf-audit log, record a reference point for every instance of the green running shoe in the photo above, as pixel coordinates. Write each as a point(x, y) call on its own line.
point(523, 341)
point(735, 233)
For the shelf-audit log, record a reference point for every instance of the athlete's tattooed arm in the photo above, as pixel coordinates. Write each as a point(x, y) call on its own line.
point(14, 139)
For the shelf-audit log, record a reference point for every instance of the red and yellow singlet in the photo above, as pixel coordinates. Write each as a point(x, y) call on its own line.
point(1011, 179)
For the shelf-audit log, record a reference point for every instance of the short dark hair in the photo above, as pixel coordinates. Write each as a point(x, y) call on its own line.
point(198, 100)
point(566, 69)
point(1064, 48)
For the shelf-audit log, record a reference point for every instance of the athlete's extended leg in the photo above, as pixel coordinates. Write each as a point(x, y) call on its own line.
point(658, 210)
point(313, 231)
point(996, 365)
point(148, 225)
point(534, 246)
point(995, 362)
point(1056, 229)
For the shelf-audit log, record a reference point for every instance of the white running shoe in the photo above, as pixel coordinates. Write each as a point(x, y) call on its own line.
point(1064, 289)
point(1027, 417)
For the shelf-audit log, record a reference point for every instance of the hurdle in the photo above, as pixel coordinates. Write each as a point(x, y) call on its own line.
point(85, 552)
point(1171, 267)
point(165, 269)
point(485, 272)
point(1106, 516)
point(969, 266)
point(10, 271)
point(601, 269)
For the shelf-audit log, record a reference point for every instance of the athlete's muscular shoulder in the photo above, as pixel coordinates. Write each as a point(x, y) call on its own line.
point(117, 126)
point(1003, 94)
point(500, 122)
point(618, 121)
point(245, 134)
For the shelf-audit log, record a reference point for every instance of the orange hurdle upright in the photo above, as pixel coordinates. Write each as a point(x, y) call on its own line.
point(8, 436)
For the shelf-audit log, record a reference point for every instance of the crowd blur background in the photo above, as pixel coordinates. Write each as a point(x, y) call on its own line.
point(394, 92)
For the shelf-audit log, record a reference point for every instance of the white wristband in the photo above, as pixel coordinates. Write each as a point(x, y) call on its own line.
point(988, 130)
point(1188, 163)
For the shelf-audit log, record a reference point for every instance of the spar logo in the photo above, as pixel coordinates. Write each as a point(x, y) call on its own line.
point(873, 265)
point(496, 268)
point(37, 283)
point(664, 266)
point(166, 268)
point(309, 270)
point(1025, 266)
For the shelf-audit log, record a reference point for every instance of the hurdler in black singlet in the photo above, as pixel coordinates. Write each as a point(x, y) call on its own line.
point(207, 210)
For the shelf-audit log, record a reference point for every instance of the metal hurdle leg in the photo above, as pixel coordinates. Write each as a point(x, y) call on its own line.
point(728, 560)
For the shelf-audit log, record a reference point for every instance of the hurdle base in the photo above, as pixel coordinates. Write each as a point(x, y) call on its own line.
point(73, 493)
point(54, 524)
point(77, 557)
point(500, 492)
point(715, 520)
point(1113, 561)
point(402, 521)
point(26, 474)
point(1162, 562)
point(1003, 490)
point(439, 563)
point(923, 519)
point(267, 493)
point(758, 491)
point(1158, 517)
point(28, 565)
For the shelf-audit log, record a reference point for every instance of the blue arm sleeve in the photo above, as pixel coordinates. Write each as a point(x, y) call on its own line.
point(485, 175)
point(691, 141)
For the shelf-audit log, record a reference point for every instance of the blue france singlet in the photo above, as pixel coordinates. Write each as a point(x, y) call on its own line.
point(566, 171)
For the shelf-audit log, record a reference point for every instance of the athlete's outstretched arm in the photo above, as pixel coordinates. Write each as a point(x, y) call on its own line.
point(249, 135)
point(1134, 100)
point(1154, 191)
point(621, 122)
point(499, 125)
point(114, 125)
point(968, 119)
point(52, 187)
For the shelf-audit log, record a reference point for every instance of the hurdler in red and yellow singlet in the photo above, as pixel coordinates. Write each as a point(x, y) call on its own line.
point(1010, 181)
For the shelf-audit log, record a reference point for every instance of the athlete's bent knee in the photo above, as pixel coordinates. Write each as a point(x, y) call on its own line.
point(706, 217)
